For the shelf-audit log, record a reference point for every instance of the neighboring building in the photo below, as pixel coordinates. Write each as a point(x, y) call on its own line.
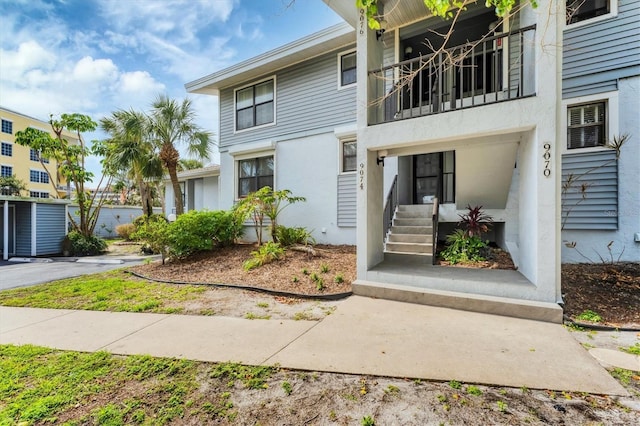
point(199, 189)
point(39, 174)
point(483, 122)
point(31, 227)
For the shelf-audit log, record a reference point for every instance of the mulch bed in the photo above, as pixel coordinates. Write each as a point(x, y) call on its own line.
point(610, 290)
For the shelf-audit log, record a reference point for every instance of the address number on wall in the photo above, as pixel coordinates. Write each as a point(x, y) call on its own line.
point(547, 159)
point(361, 176)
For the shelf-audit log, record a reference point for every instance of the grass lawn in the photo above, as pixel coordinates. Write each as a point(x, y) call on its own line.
point(109, 291)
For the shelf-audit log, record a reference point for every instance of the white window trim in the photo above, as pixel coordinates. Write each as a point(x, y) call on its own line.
point(250, 156)
point(40, 176)
point(8, 165)
point(8, 143)
point(613, 12)
point(612, 114)
point(341, 143)
point(339, 81)
point(275, 100)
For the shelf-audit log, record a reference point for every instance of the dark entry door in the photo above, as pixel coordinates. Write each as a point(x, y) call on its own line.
point(427, 169)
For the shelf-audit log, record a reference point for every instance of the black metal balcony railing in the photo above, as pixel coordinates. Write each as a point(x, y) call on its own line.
point(465, 76)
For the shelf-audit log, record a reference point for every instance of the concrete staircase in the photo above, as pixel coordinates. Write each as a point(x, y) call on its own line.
point(411, 231)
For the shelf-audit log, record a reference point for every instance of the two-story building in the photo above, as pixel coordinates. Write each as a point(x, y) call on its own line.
point(391, 133)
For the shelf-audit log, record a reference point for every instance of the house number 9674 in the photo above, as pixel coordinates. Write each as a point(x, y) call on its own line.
point(361, 176)
point(547, 159)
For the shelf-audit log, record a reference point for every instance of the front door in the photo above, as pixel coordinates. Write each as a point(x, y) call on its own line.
point(427, 169)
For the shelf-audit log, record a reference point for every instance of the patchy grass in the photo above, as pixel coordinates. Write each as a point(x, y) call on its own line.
point(40, 385)
point(110, 291)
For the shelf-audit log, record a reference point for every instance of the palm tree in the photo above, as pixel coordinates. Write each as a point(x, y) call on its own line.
point(172, 124)
point(130, 150)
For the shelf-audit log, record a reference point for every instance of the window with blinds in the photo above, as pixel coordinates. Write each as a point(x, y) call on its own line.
point(586, 125)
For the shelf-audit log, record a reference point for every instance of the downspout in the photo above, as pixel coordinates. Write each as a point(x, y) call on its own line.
point(560, 14)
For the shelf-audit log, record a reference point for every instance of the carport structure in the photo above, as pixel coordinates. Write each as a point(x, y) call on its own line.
point(32, 226)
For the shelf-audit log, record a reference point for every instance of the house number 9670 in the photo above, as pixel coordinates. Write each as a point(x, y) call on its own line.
point(547, 159)
point(361, 176)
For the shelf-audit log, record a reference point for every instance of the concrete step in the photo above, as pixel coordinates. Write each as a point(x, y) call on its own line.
point(416, 208)
point(400, 214)
point(409, 248)
point(412, 222)
point(540, 311)
point(423, 230)
point(410, 238)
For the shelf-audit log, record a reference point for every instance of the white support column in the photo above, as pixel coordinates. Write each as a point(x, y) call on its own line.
point(5, 230)
point(34, 227)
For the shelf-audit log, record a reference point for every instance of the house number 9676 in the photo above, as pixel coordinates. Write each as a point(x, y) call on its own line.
point(361, 176)
point(547, 159)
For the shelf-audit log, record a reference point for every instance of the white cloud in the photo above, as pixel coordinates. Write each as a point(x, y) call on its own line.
point(139, 83)
point(29, 55)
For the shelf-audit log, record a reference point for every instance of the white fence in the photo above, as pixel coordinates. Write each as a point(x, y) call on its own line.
point(112, 216)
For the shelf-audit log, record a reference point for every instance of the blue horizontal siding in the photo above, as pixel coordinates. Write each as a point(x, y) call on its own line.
point(307, 98)
point(23, 229)
point(50, 225)
point(347, 200)
point(597, 210)
point(596, 55)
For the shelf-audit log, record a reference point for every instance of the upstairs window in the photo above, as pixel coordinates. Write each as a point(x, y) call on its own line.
point(6, 171)
point(253, 174)
point(37, 176)
point(586, 125)
point(7, 126)
point(35, 156)
point(255, 105)
point(349, 156)
point(7, 149)
point(348, 71)
point(582, 10)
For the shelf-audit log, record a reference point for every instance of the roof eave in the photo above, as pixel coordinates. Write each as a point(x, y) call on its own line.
point(269, 62)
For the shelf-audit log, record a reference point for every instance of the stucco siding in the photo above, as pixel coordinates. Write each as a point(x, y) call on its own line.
point(307, 97)
point(50, 220)
point(596, 55)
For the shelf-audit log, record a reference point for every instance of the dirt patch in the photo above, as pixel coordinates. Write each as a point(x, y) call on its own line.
point(610, 290)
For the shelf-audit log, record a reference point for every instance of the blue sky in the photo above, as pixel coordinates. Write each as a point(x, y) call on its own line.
point(97, 56)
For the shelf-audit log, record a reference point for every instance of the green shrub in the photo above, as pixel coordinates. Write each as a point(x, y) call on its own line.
point(463, 248)
point(296, 235)
point(156, 217)
point(125, 230)
point(197, 231)
point(155, 235)
point(267, 253)
point(80, 245)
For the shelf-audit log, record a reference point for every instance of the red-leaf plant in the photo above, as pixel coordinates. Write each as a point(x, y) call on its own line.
point(476, 221)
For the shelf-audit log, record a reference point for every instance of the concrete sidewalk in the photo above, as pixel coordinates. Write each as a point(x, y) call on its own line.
point(363, 336)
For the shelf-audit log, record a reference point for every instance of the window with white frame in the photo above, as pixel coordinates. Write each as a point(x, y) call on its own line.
point(37, 176)
point(6, 171)
point(583, 10)
point(348, 71)
point(586, 125)
point(34, 155)
point(7, 126)
point(7, 149)
point(253, 174)
point(255, 105)
point(38, 194)
point(349, 156)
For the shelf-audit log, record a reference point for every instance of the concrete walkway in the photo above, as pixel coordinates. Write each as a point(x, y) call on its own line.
point(363, 336)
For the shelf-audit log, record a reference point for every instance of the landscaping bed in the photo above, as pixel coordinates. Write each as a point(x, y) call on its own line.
point(298, 272)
